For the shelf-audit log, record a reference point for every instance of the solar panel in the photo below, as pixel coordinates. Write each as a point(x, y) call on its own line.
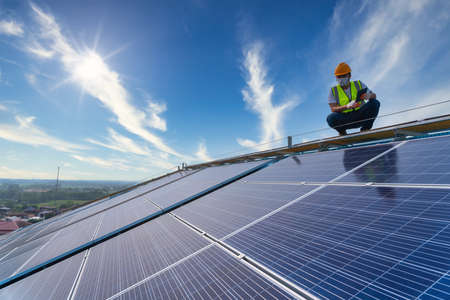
point(320, 166)
point(357, 242)
point(52, 283)
point(28, 236)
point(21, 248)
point(54, 245)
point(79, 233)
point(424, 161)
point(136, 255)
point(198, 182)
point(335, 241)
point(211, 274)
point(238, 204)
point(118, 217)
point(125, 214)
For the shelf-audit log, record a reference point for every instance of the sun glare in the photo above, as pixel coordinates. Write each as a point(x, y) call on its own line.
point(89, 68)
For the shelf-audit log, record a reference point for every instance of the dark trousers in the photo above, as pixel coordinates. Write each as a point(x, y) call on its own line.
point(355, 119)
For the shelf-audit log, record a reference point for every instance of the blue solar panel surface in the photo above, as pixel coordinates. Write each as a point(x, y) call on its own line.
point(234, 206)
point(136, 255)
point(337, 242)
point(49, 247)
point(78, 233)
point(359, 242)
point(321, 166)
point(197, 182)
point(211, 274)
point(423, 161)
point(52, 283)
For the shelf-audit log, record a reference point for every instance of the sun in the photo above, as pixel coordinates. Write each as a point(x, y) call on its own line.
point(89, 68)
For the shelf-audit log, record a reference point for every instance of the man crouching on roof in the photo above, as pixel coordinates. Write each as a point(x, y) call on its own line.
point(347, 111)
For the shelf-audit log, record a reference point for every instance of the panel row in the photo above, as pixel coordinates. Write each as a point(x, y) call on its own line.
point(357, 242)
point(162, 259)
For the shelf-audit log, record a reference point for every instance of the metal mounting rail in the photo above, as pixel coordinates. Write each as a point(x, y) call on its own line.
point(358, 184)
point(414, 128)
point(22, 275)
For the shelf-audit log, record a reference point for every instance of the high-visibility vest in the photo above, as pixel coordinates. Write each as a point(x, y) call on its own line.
point(355, 87)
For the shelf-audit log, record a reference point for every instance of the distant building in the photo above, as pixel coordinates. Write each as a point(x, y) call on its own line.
point(46, 214)
point(19, 215)
point(4, 210)
point(31, 210)
point(47, 208)
point(7, 227)
point(22, 223)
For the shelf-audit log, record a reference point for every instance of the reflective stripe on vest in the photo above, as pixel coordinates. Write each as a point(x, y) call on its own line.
point(342, 96)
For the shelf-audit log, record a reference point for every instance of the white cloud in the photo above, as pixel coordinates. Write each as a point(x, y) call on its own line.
point(117, 164)
point(258, 97)
point(125, 165)
point(121, 143)
point(163, 164)
point(3, 108)
point(202, 152)
point(89, 70)
point(40, 51)
point(11, 28)
point(399, 49)
point(25, 132)
point(9, 173)
point(155, 121)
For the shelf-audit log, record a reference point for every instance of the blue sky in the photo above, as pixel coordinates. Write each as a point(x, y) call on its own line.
point(113, 91)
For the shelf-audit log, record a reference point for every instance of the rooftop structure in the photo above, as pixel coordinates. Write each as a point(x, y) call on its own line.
point(7, 227)
point(364, 216)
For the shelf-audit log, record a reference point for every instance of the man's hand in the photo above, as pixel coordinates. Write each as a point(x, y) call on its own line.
point(352, 105)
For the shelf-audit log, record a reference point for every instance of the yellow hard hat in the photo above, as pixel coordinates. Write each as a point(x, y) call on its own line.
point(342, 69)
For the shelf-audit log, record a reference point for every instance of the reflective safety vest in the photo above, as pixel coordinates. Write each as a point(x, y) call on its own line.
point(355, 87)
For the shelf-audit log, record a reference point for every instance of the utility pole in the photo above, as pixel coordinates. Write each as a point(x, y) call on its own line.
point(56, 187)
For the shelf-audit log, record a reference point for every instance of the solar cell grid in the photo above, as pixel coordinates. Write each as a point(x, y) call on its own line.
point(236, 205)
point(320, 167)
point(439, 290)
point(58, 243)
point(52, 283)
point(90, 211)
point(21, 248)
point(363, 245)
point(212, 274)
point(37, 232)
point(423, 161)
point(125, 214)
point(198, 182)
point(120, 262)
